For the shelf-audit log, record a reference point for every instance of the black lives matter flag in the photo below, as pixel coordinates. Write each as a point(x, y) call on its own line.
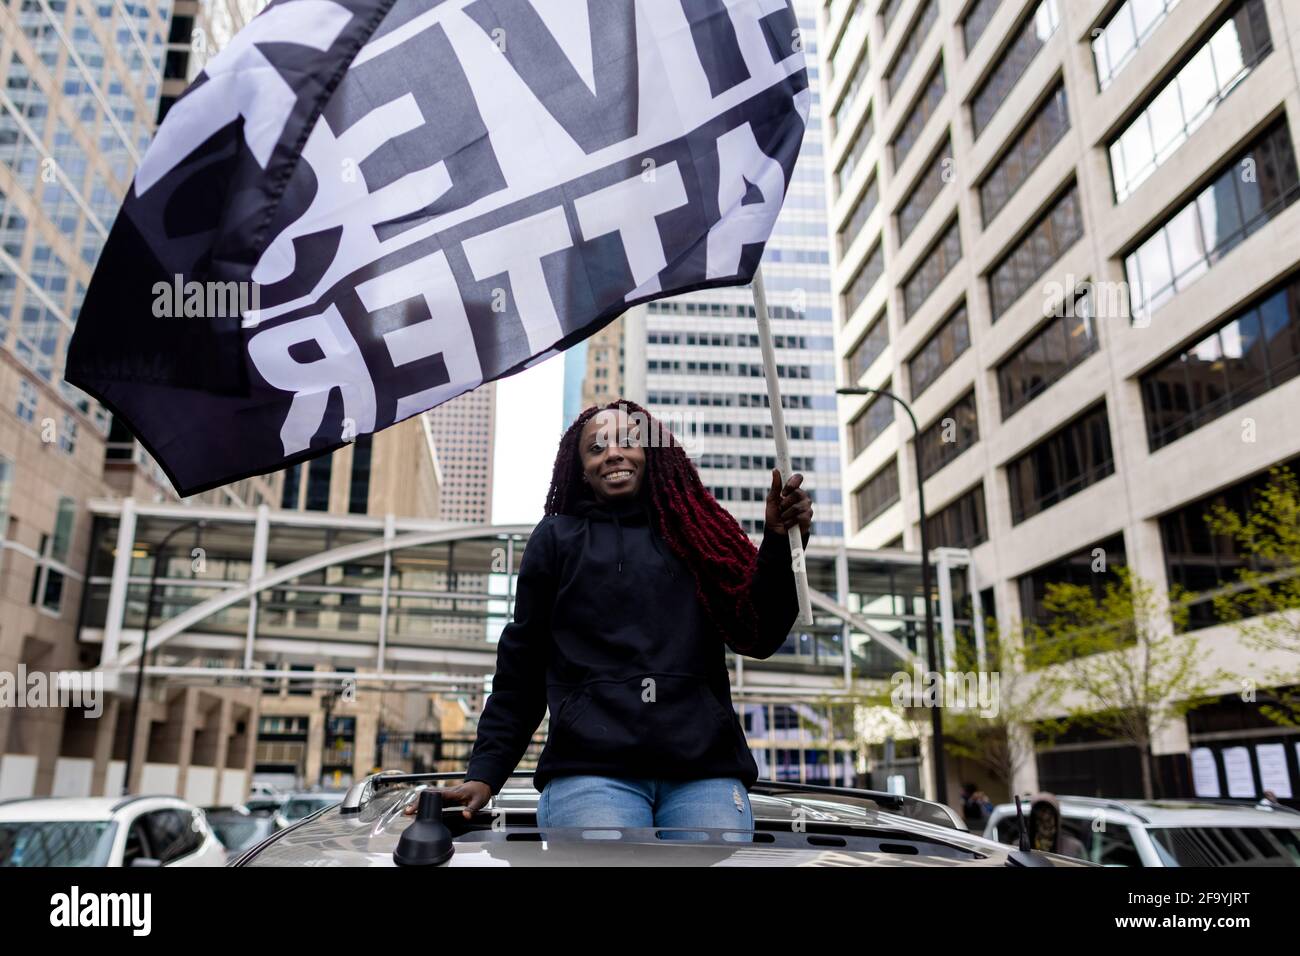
point(408, 198)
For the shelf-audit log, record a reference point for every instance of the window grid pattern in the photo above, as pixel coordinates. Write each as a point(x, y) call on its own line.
point(1253, 352)
point(952, 433)
point(1050, 123)
point(940, 350)
point(927, 189)
point(1073, 458)
point(1251, 189)
point(1031, 36)
point(1183, 104)
point(1055, 231)
point(877, 494)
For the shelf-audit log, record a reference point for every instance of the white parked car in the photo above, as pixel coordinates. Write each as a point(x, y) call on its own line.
point(106, 831)
point(1170, 832)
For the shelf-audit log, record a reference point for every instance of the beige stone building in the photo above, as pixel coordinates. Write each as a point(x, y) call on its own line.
point(1066, 233)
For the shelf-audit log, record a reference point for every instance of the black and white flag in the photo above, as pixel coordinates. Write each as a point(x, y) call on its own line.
point(363, 208)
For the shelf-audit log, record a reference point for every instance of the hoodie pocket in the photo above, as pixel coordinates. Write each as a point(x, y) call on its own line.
point(649, 720)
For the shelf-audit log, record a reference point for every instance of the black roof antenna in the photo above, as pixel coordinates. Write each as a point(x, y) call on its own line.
point(1024, 856)
point(1024, 829)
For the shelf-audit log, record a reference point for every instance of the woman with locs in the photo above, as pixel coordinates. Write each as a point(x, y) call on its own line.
point(629, 590)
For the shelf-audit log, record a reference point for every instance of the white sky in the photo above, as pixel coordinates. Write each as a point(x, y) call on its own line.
point(529, 423)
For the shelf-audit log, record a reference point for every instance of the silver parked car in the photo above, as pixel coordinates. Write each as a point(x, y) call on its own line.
point(1170, 832)
point(794, 825)
point(294, 806)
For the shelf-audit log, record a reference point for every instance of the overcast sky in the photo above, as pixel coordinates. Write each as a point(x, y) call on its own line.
point(530, 409)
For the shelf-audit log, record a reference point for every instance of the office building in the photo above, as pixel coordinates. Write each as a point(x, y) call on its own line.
point(1066, 233)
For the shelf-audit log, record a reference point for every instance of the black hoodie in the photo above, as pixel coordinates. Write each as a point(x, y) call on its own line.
point(610, 637)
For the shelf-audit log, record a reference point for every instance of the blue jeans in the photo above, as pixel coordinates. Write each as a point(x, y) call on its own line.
point(588, 800)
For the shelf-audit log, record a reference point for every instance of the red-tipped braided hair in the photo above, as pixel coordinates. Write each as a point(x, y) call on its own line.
point(700, 531)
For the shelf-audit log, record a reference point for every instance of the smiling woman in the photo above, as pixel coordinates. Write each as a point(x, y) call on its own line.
point(630, 590)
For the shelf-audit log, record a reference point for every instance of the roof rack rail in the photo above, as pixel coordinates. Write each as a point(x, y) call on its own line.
point(363, 791)
point(937, 812)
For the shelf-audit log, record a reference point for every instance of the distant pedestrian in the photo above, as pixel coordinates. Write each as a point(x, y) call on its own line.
point(1045, 830)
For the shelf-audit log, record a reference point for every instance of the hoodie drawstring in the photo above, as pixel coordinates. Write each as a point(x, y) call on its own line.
point(618, 528)
point(600, 513)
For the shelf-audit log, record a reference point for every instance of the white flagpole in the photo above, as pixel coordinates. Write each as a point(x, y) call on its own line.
point(782, 441)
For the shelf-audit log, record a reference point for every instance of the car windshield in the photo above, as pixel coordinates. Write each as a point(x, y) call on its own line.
point(268, 805)
point(237, 832)
point(299, 807)
point(56, 843)
point(1227, 846)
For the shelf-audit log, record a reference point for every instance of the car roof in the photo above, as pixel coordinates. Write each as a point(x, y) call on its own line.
point(315, 795)
point(368, 837)
point(1172, 812)
point(73, 808)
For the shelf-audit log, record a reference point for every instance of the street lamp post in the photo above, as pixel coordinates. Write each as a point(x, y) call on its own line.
point(936, 716)
point(159, 560)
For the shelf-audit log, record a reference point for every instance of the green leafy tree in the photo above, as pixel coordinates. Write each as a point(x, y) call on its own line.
point(1000, 742)
point(1117, 663)
point(1264, 603)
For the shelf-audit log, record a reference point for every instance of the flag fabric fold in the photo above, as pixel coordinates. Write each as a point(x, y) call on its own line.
point(363, 208)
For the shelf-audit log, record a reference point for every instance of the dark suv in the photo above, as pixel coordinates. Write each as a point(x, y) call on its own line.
point(794, 825)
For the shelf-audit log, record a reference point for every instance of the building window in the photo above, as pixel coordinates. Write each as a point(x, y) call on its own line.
point(869, 348)
point(910, 47)
point(1093, 568)
point(290, 493)
point(1201, 562)
point(849, 96)
point(1255, 351)
point(6, 491)
point(888, 10)
point(926, 190)
point(871, 423)
point(940, 350)
point(862, 210)
point(1130, 26)
point(1223, 214)
point(1027, 39)
point(910, 130)
point(1045, 129)
point(47, 585)
point(359, 486)
point(849, 41)
point(68, 436)
point(318, 483)
point(864, 281)
point(961, 524)
point(1068, 461)
point(976, 21)
point(27, 399)
point(952, 433)
point(1184, 103)
point(877, 494)
point(937, 262)
point(1055, 231)
point(853, 155)
point(1061, 344)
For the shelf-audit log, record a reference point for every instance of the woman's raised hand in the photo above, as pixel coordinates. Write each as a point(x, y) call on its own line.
point(788, 506)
